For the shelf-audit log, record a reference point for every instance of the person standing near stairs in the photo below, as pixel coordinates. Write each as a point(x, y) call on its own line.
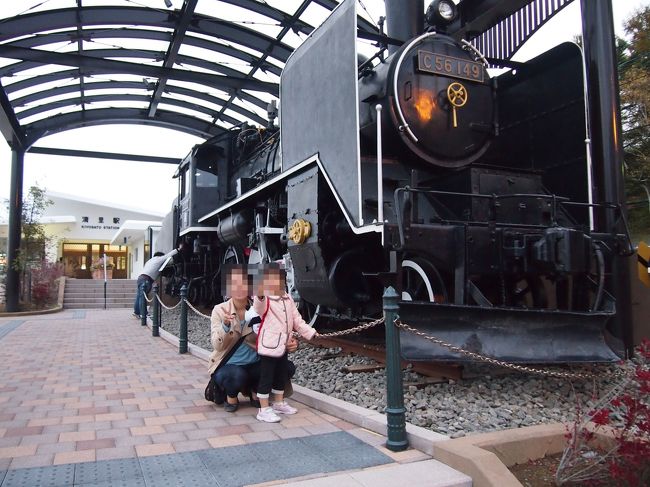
point(150, 273)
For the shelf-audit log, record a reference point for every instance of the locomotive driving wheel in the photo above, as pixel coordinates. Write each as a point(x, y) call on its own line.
point(421, 281)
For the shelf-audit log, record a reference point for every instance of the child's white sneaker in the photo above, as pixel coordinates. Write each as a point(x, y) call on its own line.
point(268, 415)
point(284, 408)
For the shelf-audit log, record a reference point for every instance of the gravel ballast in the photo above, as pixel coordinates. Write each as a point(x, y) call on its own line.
point(490, 401)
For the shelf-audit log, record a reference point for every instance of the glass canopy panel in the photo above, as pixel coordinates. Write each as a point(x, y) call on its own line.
point(37, 71)
point(126, 43)
point(49, 114)
point(238, 116)
point(215, 57)
point(251, 107)
point(45, 101)
point(287, 6)
point(7, 62)
point(121, 77)
point(196, 101)
point(266, 76)
point(97, 105)
point(89, 89)
point(12, 8)
point(315, 14)
point(200, 88)
point(293, 39)
point(262, 95)
point(130, 43)
point(238, 15)
point(148, 62)
point(186, 111)
point(42, 87)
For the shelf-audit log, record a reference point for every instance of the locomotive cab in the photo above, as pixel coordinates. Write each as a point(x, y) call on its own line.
point(198, 186)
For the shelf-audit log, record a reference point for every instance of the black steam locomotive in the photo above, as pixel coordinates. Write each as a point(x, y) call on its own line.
point(470, 193)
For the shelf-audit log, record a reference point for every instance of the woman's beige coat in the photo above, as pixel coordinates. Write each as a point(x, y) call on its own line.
point(222, 340)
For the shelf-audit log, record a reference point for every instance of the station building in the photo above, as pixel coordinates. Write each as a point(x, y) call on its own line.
point(82, 230)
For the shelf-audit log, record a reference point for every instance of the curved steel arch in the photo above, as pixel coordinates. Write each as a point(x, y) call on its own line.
point(28, 24)
point(15, 68)
point(90, 99)
point(133, 33)
point(134, 85)
point(90, 65)
point(107, 116)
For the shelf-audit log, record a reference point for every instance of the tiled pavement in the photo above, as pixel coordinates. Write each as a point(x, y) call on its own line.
point(93, 386)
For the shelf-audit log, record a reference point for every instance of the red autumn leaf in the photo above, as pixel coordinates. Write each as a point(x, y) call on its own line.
point(601, 417)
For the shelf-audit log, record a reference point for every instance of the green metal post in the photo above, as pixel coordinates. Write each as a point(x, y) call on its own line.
point(182, 333)
point(143, 306)
point(156, 312)
point(395, 411)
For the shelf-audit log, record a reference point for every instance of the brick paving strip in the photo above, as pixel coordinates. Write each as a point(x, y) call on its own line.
point(96, 386)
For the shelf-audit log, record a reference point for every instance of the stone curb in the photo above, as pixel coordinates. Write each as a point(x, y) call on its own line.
point(485, 457)
point(56, 309)
point(419, 438)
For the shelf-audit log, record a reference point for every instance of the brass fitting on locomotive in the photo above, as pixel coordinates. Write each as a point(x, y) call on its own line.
point(300, 231)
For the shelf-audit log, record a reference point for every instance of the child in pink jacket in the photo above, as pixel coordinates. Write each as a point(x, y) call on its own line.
point(280, 318)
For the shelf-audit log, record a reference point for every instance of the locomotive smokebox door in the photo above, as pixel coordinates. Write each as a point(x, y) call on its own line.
point(444, 96)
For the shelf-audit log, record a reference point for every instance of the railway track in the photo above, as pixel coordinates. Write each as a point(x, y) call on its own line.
point(378, 353)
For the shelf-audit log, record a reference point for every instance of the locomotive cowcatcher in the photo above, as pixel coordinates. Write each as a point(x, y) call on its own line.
point(487, 191)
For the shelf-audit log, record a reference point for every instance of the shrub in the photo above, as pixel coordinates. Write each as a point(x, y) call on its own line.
point(45, 288)
point(625, 413)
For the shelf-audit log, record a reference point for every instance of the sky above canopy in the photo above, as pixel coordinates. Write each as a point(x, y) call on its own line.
point(149, 185)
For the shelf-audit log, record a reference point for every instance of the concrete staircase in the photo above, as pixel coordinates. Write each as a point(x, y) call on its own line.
point(89, 293)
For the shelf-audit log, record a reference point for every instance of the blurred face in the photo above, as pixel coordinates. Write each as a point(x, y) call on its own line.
point(273, 283)
point(237, 285)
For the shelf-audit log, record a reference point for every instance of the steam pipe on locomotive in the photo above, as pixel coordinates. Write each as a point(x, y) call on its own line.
point(487, 252)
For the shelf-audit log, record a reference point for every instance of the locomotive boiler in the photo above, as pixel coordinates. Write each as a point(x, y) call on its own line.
point(469, 190)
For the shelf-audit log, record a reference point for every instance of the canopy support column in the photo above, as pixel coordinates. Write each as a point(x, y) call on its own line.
point(12, 292)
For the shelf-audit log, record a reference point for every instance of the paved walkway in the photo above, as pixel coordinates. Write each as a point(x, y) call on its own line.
point(92, 391)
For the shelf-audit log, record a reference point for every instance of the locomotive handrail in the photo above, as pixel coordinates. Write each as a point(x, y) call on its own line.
point(563, 201)
point(404, 126)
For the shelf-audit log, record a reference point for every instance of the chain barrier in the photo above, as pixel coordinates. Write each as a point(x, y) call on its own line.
point(147, 299)
point(350, 331)
point(501, 363)
point(437, 341)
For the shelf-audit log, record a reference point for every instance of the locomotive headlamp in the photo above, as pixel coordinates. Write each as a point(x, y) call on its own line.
point(441, 13)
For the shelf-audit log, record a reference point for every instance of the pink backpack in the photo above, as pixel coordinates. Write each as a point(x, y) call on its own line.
point(271, 343)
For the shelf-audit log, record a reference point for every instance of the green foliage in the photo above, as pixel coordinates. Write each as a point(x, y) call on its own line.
point(34, 241)
point(634, 72)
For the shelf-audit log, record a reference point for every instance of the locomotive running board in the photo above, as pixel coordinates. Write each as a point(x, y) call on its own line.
point(508, 334)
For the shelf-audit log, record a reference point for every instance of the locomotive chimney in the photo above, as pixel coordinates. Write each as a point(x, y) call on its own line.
point(405, 19)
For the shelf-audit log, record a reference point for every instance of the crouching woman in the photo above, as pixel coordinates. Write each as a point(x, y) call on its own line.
point(234, 364)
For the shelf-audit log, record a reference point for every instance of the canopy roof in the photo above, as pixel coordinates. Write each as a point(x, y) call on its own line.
point(198, 66)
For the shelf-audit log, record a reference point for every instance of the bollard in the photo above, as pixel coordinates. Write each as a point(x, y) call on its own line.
point(182, 332)
point(156, 312)
point(395, 411)
point(143, 304)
